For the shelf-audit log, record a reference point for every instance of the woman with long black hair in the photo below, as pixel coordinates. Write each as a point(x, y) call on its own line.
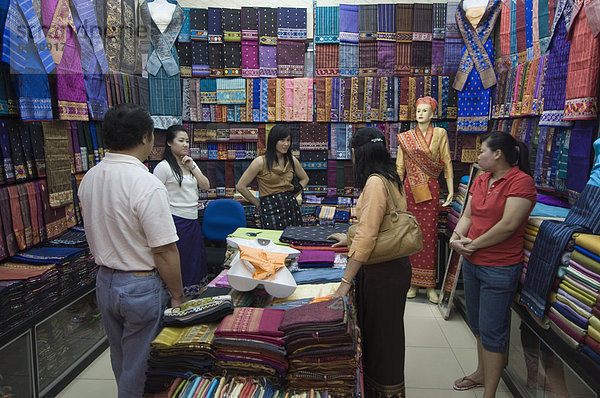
point(183, 178)
point(274, 172)
point(382, 326)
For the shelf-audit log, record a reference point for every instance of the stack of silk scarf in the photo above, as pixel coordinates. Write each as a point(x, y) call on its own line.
point(207, 386)
point(177, 351)
point(249, 342)
point(321, 343)
point(576, 294)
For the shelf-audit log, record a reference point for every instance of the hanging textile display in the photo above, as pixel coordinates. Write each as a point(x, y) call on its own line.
point(232, 47)
point(58, 163)
point(32, 66)
point(267, 35)
point(250, 65)
point(439, 34)
point(327, 41)
point(386, 39)
point(113, 41)
point(422, 39)
point(215, 41)
point(404, 37)
point(349, 52)
point(163, 69)
point(476, 74)
point(199, 42)
point(367, 44)
point(581, 97)
point(291, 38)
point(453, 42)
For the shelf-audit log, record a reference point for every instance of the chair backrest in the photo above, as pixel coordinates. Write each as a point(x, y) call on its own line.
point(222, 217)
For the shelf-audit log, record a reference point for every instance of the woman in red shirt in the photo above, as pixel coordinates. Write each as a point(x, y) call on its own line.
point(490, 237)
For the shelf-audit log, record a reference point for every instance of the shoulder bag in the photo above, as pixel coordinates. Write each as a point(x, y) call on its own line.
point(399, 233)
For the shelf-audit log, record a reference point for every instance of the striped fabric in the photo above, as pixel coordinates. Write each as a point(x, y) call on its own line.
point(404, 31)
point(327, 25)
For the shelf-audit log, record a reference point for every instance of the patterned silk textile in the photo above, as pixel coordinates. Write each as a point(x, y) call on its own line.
point(367, 35)
point(163, 69)
point(250, 66)
point(232, 48)
point(199, 41)
point(267, 35)
point(581, 97)
point(404, 37)
point(476, 74)
point(24, 31)
point(349, 51)
point(327, 51)
point(422, 39)
point(386, 39)
point(93, 58)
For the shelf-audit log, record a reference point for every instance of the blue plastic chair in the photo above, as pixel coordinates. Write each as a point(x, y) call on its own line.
point(222, 217)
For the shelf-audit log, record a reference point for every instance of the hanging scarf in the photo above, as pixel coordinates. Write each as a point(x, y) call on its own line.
point(420, 166)
point(476, 55)
point(327, 25)
point(422, 37)
point(267, 26)
point(250, 65)
point(58, 162)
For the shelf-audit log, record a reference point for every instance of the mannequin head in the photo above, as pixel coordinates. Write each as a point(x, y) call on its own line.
point(425, 108)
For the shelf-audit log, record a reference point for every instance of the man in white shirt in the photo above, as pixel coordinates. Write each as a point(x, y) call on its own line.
point(132, 236)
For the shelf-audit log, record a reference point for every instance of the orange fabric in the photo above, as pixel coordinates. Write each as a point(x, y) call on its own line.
point(319, 299)
point(265, 263)
point(429, 101)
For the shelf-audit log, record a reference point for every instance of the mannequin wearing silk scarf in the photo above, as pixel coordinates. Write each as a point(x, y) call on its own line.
point(423, 153)
point(475, 75)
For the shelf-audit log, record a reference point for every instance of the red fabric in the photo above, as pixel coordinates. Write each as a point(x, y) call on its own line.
point(487, 207)
point(423, 263)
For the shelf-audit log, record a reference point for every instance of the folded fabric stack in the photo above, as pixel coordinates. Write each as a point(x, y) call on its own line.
point(577, 294)
point(31, 280)
point(202, 310)
point(321, 342)
point(319, 266)
point(443, 218)
point(177, 351)
point(456, 206)
point(583, 273)
point(249, 343)
point(207, 386)
point(312, 236)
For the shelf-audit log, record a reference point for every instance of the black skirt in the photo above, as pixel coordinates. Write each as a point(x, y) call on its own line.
point(279, 210)
point(381, 297)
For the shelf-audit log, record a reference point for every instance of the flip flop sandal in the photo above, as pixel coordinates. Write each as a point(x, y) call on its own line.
point(473, 384)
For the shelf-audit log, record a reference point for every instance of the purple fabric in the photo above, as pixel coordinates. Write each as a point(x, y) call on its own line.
point(268, 60)
point(386, 56)
point(316, 256)
point(571, 311)
point(437, 57)
point(553, 201)
point(574, 300)
point(565, 328)
point(556, 75)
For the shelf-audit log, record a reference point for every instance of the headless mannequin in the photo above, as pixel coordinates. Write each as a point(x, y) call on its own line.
point(162, 13)
point(424, 116)
point(474, 10)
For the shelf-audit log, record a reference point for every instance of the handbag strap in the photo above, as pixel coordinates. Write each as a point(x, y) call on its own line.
point(391, 201)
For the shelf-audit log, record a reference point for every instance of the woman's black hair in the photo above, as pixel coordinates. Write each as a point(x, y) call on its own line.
point(168, 155)
point(277, 133)
point(125, 126)
point(515, 152)
point(371, 156)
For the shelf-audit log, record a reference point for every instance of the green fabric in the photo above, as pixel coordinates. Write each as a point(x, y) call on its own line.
point(579, 276)
point(578, 294)
point(586, 261)
point(272, 235)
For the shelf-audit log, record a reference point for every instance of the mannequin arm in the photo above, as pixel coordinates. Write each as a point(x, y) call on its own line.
point(450, 197)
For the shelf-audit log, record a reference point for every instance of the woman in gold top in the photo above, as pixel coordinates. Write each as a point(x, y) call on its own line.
point(423, 153)
point(274, 172)
point(382, 326)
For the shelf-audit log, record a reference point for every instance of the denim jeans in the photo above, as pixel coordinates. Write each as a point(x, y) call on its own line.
point(488, 294)
point(131, 308)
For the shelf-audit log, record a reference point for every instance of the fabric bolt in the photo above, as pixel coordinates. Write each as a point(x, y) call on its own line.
point(267, 56)
point(267, 26)
point(581, 96)
point(422, 37)
point(290, 58)
point(10, 238)
point(327, 59)
point(327, 25)
point(163, 69)
point(232, 59)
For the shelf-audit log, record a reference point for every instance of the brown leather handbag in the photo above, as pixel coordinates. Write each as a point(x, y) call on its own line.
point(399, 233)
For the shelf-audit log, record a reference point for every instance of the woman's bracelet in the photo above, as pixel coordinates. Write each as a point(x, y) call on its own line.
point(346, 282)
point(193, 168)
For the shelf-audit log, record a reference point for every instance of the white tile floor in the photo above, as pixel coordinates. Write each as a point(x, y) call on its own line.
point(437, 353)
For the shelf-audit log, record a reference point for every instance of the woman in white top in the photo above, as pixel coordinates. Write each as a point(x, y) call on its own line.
point(183, 178)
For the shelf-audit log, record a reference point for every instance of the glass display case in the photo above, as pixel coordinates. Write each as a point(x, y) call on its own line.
point(65, 338)
point(16, 367)
point(46, 351)
point(540, 365)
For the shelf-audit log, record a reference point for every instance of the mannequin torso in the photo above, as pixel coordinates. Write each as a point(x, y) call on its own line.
point(474, 10)
point(162, 13)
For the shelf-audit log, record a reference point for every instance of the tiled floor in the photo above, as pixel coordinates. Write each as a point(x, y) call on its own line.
point(437, 353)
